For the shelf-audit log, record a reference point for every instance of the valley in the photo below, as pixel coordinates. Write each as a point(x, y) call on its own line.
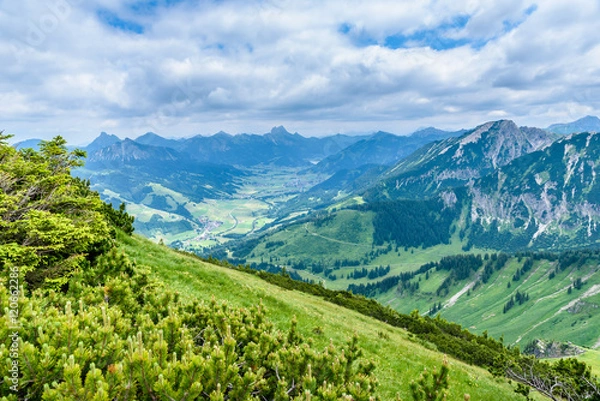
point(300, 201)
point(478, 269)
point(328, 214)
point(197, 224)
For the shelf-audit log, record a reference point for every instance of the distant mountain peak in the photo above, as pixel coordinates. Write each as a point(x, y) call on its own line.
point(590, 119)
point(475, 135)
point(280, 130)
point(587, 123)
point(152, 139)
point(28, 143)
point(148, 134)
point(435, 133)
point(129, 150)
point(102, 141)
point(103, 135)
point(381, 134)
point(502, 141)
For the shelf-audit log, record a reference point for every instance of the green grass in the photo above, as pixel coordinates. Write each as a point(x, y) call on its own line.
point(421, 300)
point(592, 358)
point(551, 312)
point(248, 210)
point(398, 358)
point(347, 235)
point(541, 316)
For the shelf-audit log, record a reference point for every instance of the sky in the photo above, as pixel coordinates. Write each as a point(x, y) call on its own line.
point(181, 68)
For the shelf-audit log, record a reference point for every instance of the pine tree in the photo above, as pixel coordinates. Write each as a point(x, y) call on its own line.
point(431, 386)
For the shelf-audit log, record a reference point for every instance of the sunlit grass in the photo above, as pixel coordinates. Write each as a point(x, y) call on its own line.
point(398, 358)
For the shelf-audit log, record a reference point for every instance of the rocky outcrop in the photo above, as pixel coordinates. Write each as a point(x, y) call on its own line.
point(552, 349)
point(455, 161)
point(555, 190)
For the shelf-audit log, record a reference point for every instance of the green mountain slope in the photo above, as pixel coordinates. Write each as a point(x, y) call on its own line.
point(563, 297)
point(339, 250)
point(378, 249)
point(399, 357)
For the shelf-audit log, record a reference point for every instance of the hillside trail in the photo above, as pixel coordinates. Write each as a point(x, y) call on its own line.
point(450, 303)
point(565, 289)
point(333, 239)
point(595, 289)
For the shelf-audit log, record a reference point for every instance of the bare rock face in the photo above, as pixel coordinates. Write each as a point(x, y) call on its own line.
point(552, 349)
point(500, 142)
point(555, 191)
point(128, 150)
point(455, 161)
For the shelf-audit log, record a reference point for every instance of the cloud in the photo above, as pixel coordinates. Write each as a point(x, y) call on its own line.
point(183, 67)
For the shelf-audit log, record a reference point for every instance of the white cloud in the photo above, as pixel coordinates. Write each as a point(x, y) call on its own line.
point(244, 66)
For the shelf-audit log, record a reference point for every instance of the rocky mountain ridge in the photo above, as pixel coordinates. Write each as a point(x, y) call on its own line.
point(277, 147)
point(585, 124)
point(455, 161)
point(553, 193)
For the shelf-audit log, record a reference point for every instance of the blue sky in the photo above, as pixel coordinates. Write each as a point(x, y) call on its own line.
point(183, 67)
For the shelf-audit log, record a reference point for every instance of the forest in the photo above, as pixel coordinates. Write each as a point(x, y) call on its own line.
point(411, 223)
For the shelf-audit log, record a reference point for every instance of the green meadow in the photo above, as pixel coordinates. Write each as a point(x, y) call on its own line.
point(399, 357)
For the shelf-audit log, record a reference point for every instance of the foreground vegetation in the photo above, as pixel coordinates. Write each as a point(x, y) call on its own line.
point(93, 313)
point(84, 322)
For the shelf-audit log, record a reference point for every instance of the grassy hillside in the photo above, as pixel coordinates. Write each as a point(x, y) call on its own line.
point(338, 243)
point(330, 248)
point(559, 314)
point(398, 358)
point(552, 311)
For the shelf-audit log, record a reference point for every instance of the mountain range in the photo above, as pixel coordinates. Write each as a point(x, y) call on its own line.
point(491, 165)
point(455, 161)
point(381, 148)
point(277, 147)
point(511, 188)
point(385, 216)
point(585, 124)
